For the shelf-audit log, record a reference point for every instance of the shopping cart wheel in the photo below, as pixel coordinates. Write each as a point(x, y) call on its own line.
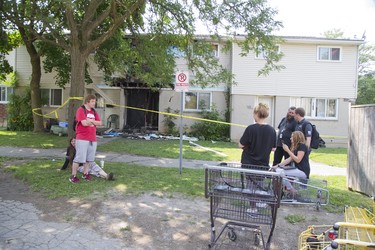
point(232, 235)
point(317, 206)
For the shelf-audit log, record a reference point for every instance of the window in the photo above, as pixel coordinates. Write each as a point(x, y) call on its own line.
point(197, 101)
point(215, 50)
point(329, 54)
point(176, 52)
point(5, 93)
point(321, 108)
point(51, 97)
point(262, 53)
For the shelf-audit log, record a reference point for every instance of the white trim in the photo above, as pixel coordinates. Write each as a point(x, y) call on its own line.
point(6, 93)
point(49, 97)
point(198, 100)
point(312, 110)
point(329, 55)
point(263, 53)
point(216, 52)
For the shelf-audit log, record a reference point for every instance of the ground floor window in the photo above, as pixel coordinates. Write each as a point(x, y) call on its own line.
point(51, 97)
point(5, 93)
point(197, 101)
point(324, 108)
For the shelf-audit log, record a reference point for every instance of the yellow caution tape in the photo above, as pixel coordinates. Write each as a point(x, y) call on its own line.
point(140, 109)
point(158, 112)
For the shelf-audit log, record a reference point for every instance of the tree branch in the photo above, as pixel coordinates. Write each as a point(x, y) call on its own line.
point(89, 13)
point(117, 22)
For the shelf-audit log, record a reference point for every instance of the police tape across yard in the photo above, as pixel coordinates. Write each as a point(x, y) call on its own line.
point(55, 115)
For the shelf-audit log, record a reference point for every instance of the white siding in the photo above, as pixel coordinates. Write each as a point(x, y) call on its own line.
point(23, 66)
point(172, 99)
point(11, 58)
point(303, 76)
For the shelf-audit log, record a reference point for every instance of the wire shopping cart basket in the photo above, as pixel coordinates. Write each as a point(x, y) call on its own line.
point(244, 198)
point(309, 191)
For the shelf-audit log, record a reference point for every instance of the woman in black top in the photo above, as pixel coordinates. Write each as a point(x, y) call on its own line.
point(297, 165)
point(258, 139)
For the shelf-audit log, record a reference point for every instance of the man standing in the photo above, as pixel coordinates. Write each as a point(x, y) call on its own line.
point(286, 127)
point(87, 120)
point(304, 126)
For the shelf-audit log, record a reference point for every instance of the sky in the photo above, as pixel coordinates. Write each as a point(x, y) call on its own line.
point(314, 17)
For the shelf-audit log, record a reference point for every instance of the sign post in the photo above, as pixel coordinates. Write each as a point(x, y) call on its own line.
point(182, 85)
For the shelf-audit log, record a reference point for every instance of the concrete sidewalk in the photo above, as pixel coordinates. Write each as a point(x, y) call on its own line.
point(316, 168)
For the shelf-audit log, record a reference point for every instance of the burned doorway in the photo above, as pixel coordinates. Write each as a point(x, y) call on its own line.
point(145, 99)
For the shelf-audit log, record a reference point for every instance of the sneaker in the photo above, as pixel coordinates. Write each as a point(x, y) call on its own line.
point(87, 177)
point(110, 177)
point(73, 179)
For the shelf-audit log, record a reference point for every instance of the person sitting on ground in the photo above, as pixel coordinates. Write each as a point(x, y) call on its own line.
point(297, 165)
point(97, 171)
point(94, 168)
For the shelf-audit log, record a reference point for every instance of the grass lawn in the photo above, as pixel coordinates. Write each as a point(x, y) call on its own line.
point(43, 177)
point(171, 149)
point(32, 140)
point(161, 148)
point(337, 157)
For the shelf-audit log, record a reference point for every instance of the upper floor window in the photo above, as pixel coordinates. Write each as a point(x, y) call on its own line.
point(176, 52)
point(323, 108)
point(51, 97)
point(263, 54)
point(197, 101)
point(329, 54)
point(215, 50)
point(5, 93)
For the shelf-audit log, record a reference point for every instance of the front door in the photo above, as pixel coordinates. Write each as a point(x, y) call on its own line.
point(144, 99)
point(269, 100)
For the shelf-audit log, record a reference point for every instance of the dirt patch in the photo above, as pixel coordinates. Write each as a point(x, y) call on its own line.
point(155, 220)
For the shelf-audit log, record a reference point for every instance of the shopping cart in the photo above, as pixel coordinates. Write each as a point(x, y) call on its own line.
point(309, 191)
point(244, 198)
point(315, 237)
point(342, 235)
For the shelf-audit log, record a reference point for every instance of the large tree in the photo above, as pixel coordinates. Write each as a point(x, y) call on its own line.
point(81, 27)
point(366, 75)
point(18, 16)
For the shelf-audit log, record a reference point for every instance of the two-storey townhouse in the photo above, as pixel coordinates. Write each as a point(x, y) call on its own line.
point(320, 75)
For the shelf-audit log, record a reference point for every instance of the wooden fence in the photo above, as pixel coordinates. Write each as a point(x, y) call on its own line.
point(361, 159)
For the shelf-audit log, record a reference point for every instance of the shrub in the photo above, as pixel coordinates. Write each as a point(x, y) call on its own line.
point(20, 116)
point(169, 122)
point(206, 130)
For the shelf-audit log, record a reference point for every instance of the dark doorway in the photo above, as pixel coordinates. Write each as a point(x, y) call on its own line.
point(144, 99)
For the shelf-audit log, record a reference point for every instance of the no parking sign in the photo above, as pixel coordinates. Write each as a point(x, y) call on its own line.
point(182, 82)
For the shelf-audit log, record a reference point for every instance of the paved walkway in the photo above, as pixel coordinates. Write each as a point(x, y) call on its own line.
point(316, 168)
point(21, 226)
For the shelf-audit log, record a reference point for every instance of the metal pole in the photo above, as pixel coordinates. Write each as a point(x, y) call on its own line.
point(181, 106)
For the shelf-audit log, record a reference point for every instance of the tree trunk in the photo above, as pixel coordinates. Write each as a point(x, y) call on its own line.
point(77, 84)
point(36, 75)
